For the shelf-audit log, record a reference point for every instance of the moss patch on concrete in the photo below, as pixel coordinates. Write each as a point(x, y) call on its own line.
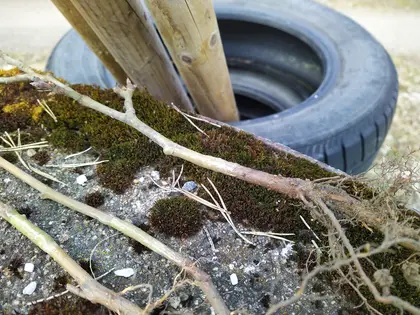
point(178, 216)
point(127, 151)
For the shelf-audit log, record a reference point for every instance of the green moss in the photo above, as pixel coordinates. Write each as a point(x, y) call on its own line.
point(64, 305)
point(68, 139)
point(95, 199)
point(127, 151)
point(178, 216)
point(9, 156)
point(42, 157)
point(60, 282)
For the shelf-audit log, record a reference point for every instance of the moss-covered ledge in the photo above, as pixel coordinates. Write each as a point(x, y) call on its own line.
point(128, 150)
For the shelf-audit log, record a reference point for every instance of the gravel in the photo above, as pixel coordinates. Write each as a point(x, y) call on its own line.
point(248, 277)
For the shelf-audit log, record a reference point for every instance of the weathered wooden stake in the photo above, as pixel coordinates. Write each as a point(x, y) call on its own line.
point(129, 35)
point(190, 31)
point(73, 16)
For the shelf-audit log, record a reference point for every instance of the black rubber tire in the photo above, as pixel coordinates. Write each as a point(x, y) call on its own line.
point(343, 123)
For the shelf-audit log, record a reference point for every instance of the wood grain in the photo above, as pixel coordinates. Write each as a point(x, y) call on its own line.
point(190, 31)
point(130, 37)
point(76, 20)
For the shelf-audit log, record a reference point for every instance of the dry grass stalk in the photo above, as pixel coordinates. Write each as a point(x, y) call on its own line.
point(35, 145)
point(78, 153)
point(75, 165)
point(28, 166)
point(216, 205)
point(221, 207)
point(54, 296)
point(47, 109)
point(89, 288)
point(187, 117)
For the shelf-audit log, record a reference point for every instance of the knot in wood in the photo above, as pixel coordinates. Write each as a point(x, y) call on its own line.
point(186, 59)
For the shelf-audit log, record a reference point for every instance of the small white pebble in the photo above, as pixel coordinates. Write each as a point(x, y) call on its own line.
point(29, 267)
point(7, 180)
point(126, 272)
point(30, 288)
point(155, 175)
point(30, 152)
point(231, 266)
point(234, 279)
point(81, 180)
point(287, 250)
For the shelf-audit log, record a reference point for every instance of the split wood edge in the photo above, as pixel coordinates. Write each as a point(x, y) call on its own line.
point(191, 34)
point(126, 30)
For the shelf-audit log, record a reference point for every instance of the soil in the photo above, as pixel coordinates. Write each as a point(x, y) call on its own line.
point(29, 30)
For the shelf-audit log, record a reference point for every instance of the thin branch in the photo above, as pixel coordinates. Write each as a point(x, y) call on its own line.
point(65, 292)
point(292, 187)
point(201, 278)
point(35, 145)
point(89, 288)
point(47, 109)
point(188, 119)
point(15, 79)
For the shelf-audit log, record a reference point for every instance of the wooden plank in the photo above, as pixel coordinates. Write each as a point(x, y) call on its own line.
point(130, 37)
point(190, 31)
point(91, 39)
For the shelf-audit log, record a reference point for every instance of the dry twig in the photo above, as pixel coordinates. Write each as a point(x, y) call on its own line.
point(202, 280)
point(292, 187)
point(310, 193)
point(89, 288)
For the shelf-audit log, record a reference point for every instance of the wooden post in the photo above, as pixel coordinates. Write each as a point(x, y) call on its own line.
point(190, 31)
point(73, 16)
point(132, 40)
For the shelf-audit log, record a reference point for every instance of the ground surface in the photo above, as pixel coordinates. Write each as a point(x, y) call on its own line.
point(262, 270)
point(29, 30)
